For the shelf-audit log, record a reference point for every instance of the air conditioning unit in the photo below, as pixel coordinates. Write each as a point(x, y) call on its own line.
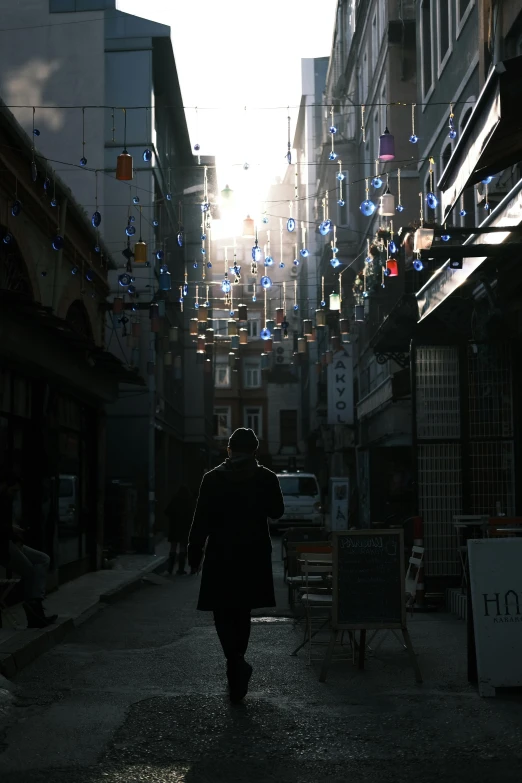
point(294, 271)
point(283, 353)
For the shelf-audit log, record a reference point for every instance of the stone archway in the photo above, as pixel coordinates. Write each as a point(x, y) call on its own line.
point(14, 274)
point(78, 318)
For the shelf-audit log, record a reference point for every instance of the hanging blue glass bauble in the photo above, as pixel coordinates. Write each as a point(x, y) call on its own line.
point(333, 130)
point(165, 282)
point(36, 132)
point(296, 262)
point(296, 308)
point(89, 275)
point(74, 270)
point(304, 252)
point(16, 208)
point(325, 227)
point(265, 219)
point(169, 196)
point(7, 239)
point(207, 303)
point(54, 202)
point(341, 202)
point(368, 259)
point(463, 213)
point(254, 298)
point(131, 218)
point(34, 171)
point(268, 261)
point(195, 264)
point(367, 207)
point(147, 155)
point(414, 138)
point(196, 306)
point(418, 265)
point(231, 313)
point(256, 253)
point(43, 273)
point(432, 200)
point(209, 265)
point(246, 166)
point(203, 251)
point(83, 162)
point(323, 303)
point(290, 224)
point(197, 147)
point(377, 183)
point(96, 219)
point(47, 183)
point(160, 255)
point(486, 206)
point(392, 247)
point(340, 176)
point(136, 200)
point(399, 208)
point(57, 242)
point(452, 134)
point(205, 206)
point(332, 155)
point(97, 249)
point(130, 230)
point(180, 238)
point(155, 223)
point(281, 265)
point(185, 289)
point(124, 280)
point(445, 237)
point(131, 289)
point(486, 181)
point(265, 334)
point(365, 294)
point(386, 272)
point(266, 282)
point(225, 286)
point(203, 237)
point(334, 262)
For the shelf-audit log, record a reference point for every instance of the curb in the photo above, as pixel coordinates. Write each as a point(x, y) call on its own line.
point(16, 654)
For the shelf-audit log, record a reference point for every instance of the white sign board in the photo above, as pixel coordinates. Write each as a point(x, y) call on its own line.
point(496, 594)
point(340, 387)
point(339, 496)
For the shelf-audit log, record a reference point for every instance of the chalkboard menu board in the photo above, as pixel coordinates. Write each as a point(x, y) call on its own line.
point(368, 579)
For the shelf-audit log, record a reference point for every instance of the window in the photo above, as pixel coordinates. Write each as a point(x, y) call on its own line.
point(222, 376)
point(288, 428)
point(252, 374)
point(375, 41)
point(253, 420)
point(294, 485)
point(426, 47)
point(222, 423)
point(444, 32)
point(253, 327)
point(343, 212)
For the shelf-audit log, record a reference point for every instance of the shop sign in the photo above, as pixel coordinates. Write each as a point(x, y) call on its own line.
point(339, 494)
point(340, 387)
point(496, 594)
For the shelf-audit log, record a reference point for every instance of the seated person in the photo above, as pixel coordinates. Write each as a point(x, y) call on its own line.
point(30, 564)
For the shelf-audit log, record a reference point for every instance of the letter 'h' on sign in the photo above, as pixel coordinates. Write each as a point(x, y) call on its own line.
point(340, 387)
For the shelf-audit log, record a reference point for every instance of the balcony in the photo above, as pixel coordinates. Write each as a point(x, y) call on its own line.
point(393, 388)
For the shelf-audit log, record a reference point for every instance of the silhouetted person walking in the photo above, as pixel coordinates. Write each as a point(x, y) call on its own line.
point(235, 501)
point(179, 513)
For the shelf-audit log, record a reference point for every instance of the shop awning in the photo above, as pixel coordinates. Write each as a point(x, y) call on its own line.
point(492, 138)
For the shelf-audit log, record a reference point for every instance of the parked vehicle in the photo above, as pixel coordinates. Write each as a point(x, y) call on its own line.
point(302, 498)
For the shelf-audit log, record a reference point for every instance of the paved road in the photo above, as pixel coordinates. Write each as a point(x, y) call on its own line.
point(137, 694)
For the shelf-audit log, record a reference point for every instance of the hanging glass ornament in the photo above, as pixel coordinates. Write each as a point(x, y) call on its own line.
point(367, 207)
point(203, 237)
point(399, 208)
point(463, 213)
point(226, 286)
point(325, 227)
point(332, 155)
point(265, 334)
point(445, 237)
point(202, 251)
point(195, 264)
point(414, 138)
point(334, 262)
point(246, 166)
point(83, 162)
point(7, 239)
point(281, 265)
point(54, 202)
point(36, 132)
point(89, 276)
point(377, 182)
point(432, 200)
point(418, 265)
point(304, 252)
point(486, 180)
point(256, 253)
point(169, 196)
point(205, 206)
point(392, 247)
point(197, 147)
point(486, 206)
point(269, 261)
point(16, 208)
point(155, 223)
point(165, 282)
point(58, 242)
point(43, 273)
point(180, 238)
point(74, 270)
point(341, 202)
point(340, 176)
point(46, 183)
point(147, 155)
point(96, 219)
point(136, 200)
point(185, 289)
point(296, 262)
point(452, 132)
point(97, 249)
point(130, 230)
point(264, 219)
point(290, 225)
point(266, 282)
point(209, 265)
point(160, 255)
point(131, 290)
point(296, 307)
point(365, 294)
point(124, 280)
point(332, 129)
point(131, 219)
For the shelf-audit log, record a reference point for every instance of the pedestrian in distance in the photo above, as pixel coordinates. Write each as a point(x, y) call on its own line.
point(179, 513)
point(30, 564)
point(230, 542)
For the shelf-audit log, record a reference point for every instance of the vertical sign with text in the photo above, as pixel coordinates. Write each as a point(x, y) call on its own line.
point(340, 387)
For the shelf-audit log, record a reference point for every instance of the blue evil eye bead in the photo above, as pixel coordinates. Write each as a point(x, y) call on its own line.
point(399, 208)
point(265, 219)
point(195, 265)
point(414, 138)
point(124, 280)
point(418, 265)
point(486, 206)
point(323, 303)
point(266, 282)
point(74, 270)
point(205, 207)
point(36, 132)
point(268, 261)
point(131, 218)
point(58, 242)
point(432, 200)
point(365, 294)
point(131, 289)
point(265, 334)
point(209, 264)
point(203, 237)
point(155, 223)
point(207, 303)
point(231, 313)
point(453, 133)
point(463, 213)
point(296, 308)
point(341, 202)
point(392, 247)
point(254, 298)
point(89, 276)
point(486, 181)
point(335, 250)
point(304, 252)
point(225, 286)
point(97, 249)
point(7, 239)
point(185, 289)
point(377, 183)
point(281, 265)
point(54, 202)
point(340, 176)
point(136, 200)
point(325, 227)
point(83, 162)
point(180, 238)
point(256, 253)
point(333, 130)
point(196, 306)
point(290, 224)
point(445, 237)
point(203, 251)
point(367, 207)
point(96, 219)
point(387, 272)
point(130, 230)
point(368, 259)
point(332, 155)
point(47, 183)
point(16, 208)
point(160, 255)
point(334, 262)
point(147, 155)
point(296, 262)
point(169, 197)
point(197, 147)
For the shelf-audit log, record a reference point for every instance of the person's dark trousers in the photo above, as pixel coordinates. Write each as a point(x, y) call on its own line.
point(233, 630)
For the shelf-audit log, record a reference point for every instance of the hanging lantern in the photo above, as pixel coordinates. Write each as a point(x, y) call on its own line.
point(193, 327)
point(265, 361)
point(202, 313)
point(280, 315)
point(243, 337)
point(165, 282)
point(201, 344)
point(386, 146)
point(277, 335)
point(312, 337)
point(336, 343)
point(242, 312)
point(320, 318)
point(124, 170)
point(329, 357)
point(173, 334)
point(140, 252)
point(301, 345)
point(209, 336)
point(226, 193)
point(117, 305)
point(307, 327)
point(387, 203)
point(270, 325)
point(209, 351)
point(335, 302)
point(392, 268)
point(248, 228)
point(167, 359)
point(268, 345)
point(344, 326)
point(232, 327)
point(359, 313)
point(234, 342)
point(231, 359)
point(136, 328)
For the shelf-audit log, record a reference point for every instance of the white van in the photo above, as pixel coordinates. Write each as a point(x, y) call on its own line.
point(302, 501)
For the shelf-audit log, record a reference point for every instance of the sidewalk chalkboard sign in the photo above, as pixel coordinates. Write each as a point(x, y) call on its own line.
point(368, 580)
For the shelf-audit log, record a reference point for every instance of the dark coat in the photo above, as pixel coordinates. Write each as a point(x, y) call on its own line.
point(235, 501)
point(180, 512)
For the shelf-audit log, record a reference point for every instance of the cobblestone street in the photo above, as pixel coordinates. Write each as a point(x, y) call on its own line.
point(137, 693)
